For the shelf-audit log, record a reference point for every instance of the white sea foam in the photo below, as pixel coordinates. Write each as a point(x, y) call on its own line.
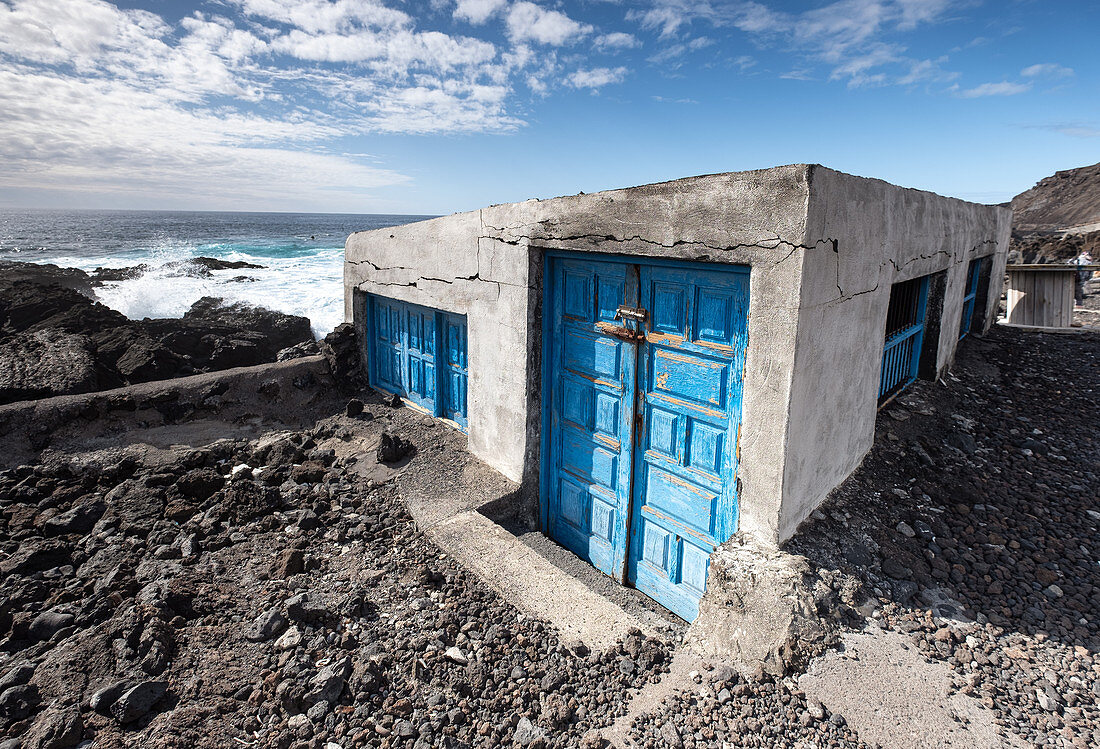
point(309, 285)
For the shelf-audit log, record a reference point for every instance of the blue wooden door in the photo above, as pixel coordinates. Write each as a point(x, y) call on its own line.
point(453, 400)
point(419, 354)
point(591, 396)
point(644, 427)
point(685, 498)
point(388, 344)
point(420, 357)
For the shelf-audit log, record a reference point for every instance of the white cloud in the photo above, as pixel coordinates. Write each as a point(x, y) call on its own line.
point(322, 16)
point(396, 51)
point(477, 11)
point(596, 77)
point(615, 41)
point(440, 109)
point(78, 32)
point(667, 55)
point(849, 36)
point(100, 99)
point(1004, 88)
point(1072, 129)
point(666, 100)
point(927, 71)
point(744, 62)
point(64, 134)
point(1046, 70)
point(666, 16)
point(916, 12)
point(529, 22)
point(859, 69)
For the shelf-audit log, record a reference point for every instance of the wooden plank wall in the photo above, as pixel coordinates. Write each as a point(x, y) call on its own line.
point(1041, 298)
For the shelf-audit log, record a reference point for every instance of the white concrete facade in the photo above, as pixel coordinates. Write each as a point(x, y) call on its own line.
point(823, 250)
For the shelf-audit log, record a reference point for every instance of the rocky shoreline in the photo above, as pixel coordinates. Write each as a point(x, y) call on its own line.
point(55, 339)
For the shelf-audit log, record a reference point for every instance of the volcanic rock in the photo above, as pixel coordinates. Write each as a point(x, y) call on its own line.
point(1063, 200)
point(56, 728)
point(393, 448)
point(267, 625)
point(138, 701)
point(56, 340)
point(341, 349)
point(275, 331)
point(45, 363)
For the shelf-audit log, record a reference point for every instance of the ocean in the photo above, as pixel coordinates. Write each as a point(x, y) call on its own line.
point(302, 255)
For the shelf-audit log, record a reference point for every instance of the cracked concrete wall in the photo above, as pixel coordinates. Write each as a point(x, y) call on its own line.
point(823, 248)
point(877, 234)
point(446, 264)
point(486, 264)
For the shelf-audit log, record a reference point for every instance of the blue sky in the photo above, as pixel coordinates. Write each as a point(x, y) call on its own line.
point(433, 106)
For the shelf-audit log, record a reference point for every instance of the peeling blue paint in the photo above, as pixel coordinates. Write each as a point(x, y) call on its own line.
point(644, 413)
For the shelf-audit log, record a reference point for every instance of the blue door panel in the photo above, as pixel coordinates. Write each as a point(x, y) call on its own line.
point(455, 373)
point(419, 354)
point(969, 295)
point(646, 504)
point(902, 348)
point(420, 357)
point(684, 504)
point(591, 413)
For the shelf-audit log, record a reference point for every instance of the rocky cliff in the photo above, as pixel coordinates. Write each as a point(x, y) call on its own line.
point(1058, 219)
point(1062, 201)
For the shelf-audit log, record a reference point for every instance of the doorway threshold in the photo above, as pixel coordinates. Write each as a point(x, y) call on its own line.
point(447, 506)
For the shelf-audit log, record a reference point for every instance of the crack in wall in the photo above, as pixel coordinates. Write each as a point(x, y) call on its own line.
point(767, 243)
point(898, 268)
point(376, 267)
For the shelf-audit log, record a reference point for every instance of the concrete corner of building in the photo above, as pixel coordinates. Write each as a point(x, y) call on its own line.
point(764, 608)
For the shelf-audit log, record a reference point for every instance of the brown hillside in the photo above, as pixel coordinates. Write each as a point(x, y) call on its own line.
point(1061, 201)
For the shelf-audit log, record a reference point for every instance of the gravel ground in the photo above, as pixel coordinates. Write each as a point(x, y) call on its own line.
point(272, 593)
point(975, 521)
point(727, 710)
point(204, 603)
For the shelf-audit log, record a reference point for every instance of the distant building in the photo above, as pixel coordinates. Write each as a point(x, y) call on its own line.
point(672, 363)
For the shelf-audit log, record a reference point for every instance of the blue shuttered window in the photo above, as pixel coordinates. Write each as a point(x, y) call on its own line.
point(969, 295)
point(904, 336)
point(420, 354)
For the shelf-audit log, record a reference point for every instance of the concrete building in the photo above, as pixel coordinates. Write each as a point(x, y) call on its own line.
point(663, 366)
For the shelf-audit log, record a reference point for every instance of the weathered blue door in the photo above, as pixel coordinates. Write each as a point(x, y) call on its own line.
point(453, 401)
point(592, 411)
point(685, 498)
point(644, 393)
point(419, 354)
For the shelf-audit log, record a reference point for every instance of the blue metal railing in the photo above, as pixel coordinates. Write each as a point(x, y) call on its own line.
point(969, 297)
point(901, 351)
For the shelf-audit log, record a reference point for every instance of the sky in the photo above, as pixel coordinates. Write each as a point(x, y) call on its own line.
point(436, 106)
